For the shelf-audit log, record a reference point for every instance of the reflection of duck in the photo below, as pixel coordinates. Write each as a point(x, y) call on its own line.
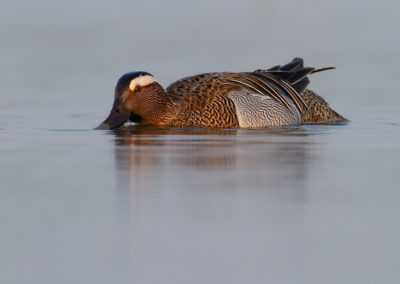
point(273, 97)
point(153, 157)
point(140, 146)
point(144, 146)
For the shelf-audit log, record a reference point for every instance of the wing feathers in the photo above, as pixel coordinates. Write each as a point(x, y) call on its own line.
point(288, 90)
point(282, 83)
point(301, 85)
point(257, 85)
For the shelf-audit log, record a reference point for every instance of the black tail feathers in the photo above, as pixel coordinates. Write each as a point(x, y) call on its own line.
point(294, 73)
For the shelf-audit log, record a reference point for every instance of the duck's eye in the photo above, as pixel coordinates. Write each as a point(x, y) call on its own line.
point(138, 89)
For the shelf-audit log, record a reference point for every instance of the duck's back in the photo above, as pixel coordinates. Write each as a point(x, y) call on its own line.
point(250, 99)
point(202, 102)
point(206, 100)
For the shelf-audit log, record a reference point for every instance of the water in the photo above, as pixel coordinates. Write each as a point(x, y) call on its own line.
point(309, 204)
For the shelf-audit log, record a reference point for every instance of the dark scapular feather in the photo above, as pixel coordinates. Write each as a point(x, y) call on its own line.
point(294, 77)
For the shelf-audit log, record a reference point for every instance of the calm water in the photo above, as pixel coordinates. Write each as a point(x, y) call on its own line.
point(309, 204)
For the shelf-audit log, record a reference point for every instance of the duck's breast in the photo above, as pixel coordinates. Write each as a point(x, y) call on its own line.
point(254, 110)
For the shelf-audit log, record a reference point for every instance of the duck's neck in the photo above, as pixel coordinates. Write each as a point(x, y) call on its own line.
point(157, 108)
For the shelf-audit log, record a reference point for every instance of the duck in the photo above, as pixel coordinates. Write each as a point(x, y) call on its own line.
point(277, 96)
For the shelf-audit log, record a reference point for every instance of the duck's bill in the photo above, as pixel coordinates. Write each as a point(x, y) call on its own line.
point(116, 118)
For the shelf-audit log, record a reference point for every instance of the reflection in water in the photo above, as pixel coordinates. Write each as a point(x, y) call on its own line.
point(171, 181)
point(147, 156)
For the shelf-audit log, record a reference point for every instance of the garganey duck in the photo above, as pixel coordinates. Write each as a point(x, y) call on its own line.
point(273, 97)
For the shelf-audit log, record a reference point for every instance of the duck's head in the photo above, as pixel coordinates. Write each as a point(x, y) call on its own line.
point(135, 96)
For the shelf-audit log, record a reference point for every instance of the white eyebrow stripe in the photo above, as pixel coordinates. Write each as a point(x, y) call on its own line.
point(141, 81)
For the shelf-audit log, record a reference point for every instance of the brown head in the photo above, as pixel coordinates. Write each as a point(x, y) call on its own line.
point(138, 98)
